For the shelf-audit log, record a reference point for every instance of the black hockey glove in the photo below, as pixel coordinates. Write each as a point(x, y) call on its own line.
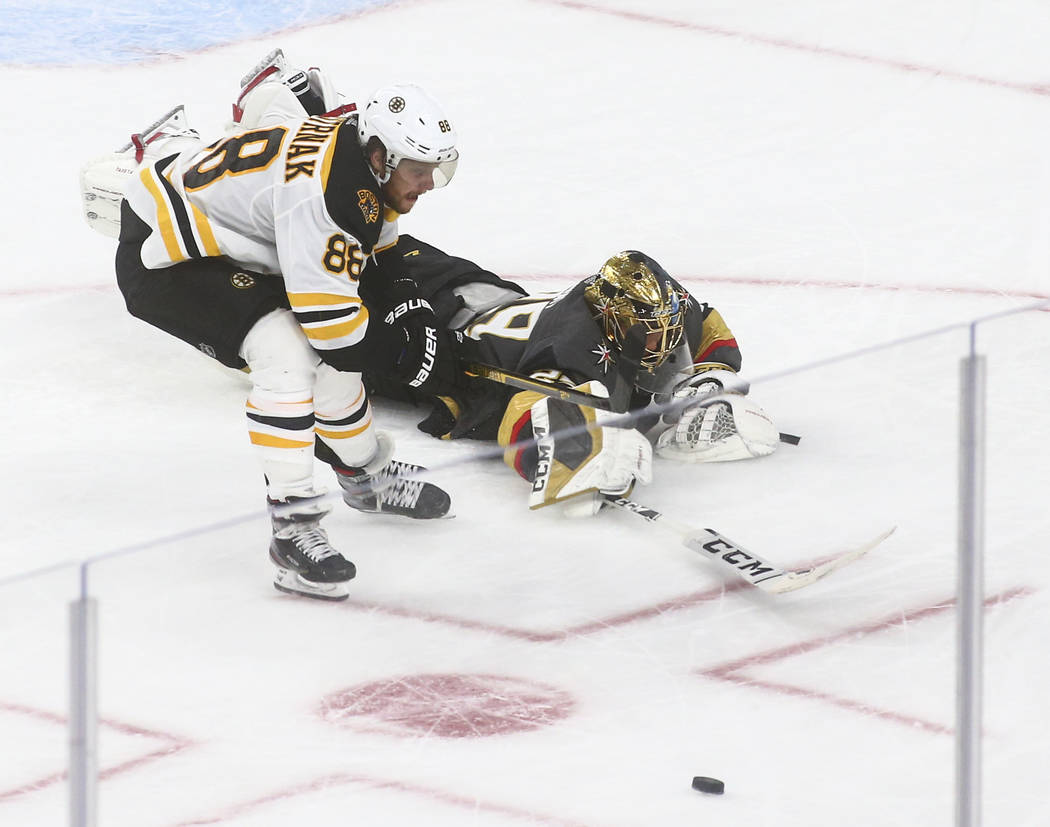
point(426, 359)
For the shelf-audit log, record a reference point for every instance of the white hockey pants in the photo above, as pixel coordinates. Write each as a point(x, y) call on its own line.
point(296, 398)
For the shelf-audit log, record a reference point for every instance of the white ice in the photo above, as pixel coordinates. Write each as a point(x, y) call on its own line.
point(831, 176)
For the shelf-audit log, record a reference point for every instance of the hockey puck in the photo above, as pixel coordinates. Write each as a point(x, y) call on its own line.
point(708, 785)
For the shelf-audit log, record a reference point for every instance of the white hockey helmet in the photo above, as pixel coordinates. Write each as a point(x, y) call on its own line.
point(410, 124)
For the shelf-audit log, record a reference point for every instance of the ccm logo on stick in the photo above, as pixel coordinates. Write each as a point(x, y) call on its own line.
point(736, 557)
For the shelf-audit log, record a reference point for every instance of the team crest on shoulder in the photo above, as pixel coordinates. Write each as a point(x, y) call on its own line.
point(369, 204)
point(604, 357)
point(242, 281)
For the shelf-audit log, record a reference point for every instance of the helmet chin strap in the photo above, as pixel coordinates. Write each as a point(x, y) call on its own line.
point(384, 171)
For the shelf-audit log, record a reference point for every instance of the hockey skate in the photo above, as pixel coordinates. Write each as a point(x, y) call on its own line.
point(389, 486)
point(311, 88)
point(306, 562)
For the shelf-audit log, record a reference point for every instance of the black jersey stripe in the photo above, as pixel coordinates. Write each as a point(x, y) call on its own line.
point(182, 217)
point(287, 423)
point(356, 416)
point(306, 316)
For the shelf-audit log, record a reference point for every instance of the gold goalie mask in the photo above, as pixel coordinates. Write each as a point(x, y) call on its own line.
point(633, 289)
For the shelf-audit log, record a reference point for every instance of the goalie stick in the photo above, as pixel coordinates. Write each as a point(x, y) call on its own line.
point(617, 404)
point(711, 545)
point(622, 378)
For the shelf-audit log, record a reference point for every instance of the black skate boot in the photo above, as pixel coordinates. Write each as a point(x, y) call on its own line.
point(306, 562)
point(388, 486)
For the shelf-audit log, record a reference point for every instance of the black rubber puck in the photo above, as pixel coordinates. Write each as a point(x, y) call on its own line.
point(708, 785)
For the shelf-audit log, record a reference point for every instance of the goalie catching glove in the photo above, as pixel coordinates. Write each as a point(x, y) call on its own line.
point(579, 460)
point(721, 426)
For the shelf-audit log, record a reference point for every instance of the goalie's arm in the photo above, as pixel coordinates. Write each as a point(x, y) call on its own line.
point(715, 347)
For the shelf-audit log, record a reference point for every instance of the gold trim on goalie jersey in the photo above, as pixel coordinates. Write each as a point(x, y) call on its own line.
point(330, 321)
point(185, 236)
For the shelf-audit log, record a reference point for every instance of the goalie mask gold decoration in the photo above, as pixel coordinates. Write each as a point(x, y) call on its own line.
point(633, 289)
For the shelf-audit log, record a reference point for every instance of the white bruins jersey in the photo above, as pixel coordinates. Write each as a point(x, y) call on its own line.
point(296, 199)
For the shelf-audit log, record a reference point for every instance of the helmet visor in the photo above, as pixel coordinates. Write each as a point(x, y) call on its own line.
point(664, 328)
point(416, 172)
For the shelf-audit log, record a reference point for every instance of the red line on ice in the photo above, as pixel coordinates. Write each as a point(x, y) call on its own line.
point(174, 744)
point(760, 281)
point(343, 779)
point(731, 671)
point(645, 613)
point(810, 48)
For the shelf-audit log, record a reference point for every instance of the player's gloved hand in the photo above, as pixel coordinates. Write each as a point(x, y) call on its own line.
point(426, 359)
point(626, 458)
point(698, 386)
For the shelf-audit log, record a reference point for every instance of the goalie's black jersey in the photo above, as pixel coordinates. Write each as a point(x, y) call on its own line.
point(553, 337)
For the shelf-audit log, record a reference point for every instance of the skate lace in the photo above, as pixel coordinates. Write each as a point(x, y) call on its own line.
point(402, 492)
point(313, 542)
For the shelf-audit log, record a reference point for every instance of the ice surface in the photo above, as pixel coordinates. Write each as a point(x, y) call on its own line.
point(833, 177)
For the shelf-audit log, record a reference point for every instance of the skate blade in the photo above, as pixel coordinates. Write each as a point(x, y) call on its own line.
point(448, 515)
point(383, 512)
point(290, 582)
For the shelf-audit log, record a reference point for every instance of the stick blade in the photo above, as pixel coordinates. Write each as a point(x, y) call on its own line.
point(793, 580)
point(763, 574)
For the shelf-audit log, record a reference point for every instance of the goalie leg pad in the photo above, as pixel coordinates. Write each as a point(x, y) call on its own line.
point(578, 460)
point(102, 185)
point(104, 180)
point(273, 91)
point(731, 427)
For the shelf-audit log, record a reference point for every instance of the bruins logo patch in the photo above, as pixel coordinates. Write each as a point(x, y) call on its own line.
point(396, 104)
point(242, 281)
point(369, 204)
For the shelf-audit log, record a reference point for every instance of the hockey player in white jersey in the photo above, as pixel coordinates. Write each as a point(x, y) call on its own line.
point(256, 250)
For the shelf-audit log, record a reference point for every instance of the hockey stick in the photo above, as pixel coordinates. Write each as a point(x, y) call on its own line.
point(745, 564)
point(621, 388)
point(529, 383)
point(617, 404)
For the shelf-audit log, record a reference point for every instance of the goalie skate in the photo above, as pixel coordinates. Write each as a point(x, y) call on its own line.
point(311, 88)
point(104, 180)
point(171, 125)
point(306, 562)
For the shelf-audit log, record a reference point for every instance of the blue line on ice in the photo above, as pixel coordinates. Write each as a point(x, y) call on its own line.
point(127, 31)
